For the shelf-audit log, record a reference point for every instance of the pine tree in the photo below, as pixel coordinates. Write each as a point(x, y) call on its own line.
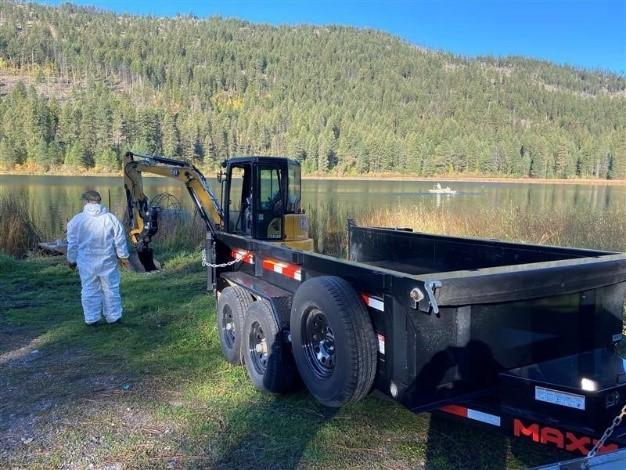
point(69, 124)
point(55, 153)
point(171, 135)
point(617, 168)
point(38, 154)
point(561, 159)
point(107, 159)
point(76, 156)
point(150, 132)
point(362, 162)
point(104, 130)
point(8, 154)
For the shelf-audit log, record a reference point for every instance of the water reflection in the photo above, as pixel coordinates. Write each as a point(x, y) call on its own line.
point(54, 199)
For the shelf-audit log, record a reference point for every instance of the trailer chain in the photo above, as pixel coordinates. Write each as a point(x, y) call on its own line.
point(206, 264)
point(607, 433)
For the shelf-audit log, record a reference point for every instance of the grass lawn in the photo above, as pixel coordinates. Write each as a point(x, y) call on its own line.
point(155, 391)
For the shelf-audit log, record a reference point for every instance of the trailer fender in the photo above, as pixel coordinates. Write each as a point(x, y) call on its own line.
point(279, 299)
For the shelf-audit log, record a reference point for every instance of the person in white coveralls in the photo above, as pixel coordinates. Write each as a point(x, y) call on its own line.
point(95, 243)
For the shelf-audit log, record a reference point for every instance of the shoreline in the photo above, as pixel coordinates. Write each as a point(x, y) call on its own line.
point(375, 177)
point(470, 179)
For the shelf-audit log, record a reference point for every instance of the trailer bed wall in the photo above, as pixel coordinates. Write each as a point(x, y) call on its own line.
point(418, 253)
point(463, 349)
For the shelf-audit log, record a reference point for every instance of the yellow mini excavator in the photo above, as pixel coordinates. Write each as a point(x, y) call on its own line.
point(260, 199)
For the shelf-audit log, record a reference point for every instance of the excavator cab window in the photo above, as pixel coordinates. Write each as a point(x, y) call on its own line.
point(258, 193)
point(239, 202)
point(270, 204)
point(294, 189)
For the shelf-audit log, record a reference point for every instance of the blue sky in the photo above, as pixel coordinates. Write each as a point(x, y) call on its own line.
point(586, 33)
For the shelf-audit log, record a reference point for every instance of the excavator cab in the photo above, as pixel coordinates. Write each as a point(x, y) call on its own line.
point(261, 199)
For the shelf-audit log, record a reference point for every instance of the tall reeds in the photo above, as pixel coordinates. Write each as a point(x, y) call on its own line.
point(600, 229)
point(180, 231)
point(18, 233)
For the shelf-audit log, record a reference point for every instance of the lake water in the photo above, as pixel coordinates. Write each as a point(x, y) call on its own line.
point(54, 199)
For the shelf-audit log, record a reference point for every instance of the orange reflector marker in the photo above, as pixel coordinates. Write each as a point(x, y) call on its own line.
point(243, 256)
point(291, 271)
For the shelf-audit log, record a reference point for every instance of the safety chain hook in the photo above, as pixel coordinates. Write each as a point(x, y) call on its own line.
point(205, 263)
point(607, 433)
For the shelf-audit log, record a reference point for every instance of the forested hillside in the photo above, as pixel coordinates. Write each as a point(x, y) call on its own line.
point(79, 87)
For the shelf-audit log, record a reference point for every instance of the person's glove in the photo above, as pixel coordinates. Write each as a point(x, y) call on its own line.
point(124, 263)
point(72, 266)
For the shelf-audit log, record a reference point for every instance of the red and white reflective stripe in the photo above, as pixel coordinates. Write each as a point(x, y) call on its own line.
point(472, 414)
point(292, 271)
point(243, 255)
point(381, 343)
point(374, 302)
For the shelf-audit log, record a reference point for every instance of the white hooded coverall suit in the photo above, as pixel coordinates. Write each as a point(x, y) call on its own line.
point(95, 240)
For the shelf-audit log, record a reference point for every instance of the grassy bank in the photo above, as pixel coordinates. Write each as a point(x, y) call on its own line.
point(155, 391)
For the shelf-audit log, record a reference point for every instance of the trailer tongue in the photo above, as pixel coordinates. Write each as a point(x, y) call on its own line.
point(512, 336)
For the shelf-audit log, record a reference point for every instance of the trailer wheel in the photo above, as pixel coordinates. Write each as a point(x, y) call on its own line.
point(266, 354)
point(333, 341)
point(232, 304)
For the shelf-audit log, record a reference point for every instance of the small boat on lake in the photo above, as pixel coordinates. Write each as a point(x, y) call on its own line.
point(438, 189)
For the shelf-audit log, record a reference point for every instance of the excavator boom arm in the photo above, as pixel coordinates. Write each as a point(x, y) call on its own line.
point(142, 217)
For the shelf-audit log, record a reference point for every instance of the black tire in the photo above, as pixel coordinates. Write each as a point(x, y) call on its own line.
point(333, 341)
point(231, 306)
point(267, 357)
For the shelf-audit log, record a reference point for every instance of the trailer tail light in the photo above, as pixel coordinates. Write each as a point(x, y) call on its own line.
point(469, 413)
point(243, 256)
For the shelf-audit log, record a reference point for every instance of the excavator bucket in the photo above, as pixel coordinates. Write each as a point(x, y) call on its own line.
point(143, 262)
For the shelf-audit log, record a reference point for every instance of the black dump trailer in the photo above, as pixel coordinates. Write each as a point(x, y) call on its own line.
point(512, 336)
